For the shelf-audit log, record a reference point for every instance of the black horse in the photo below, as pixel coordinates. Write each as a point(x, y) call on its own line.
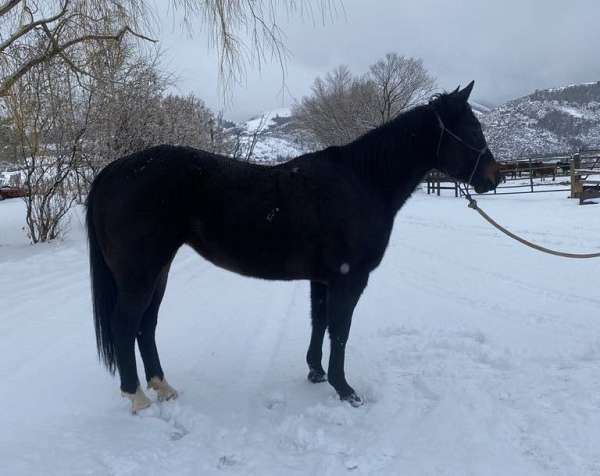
point(324, 217)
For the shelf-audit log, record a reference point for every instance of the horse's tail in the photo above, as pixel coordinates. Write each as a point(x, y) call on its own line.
point(104, 289)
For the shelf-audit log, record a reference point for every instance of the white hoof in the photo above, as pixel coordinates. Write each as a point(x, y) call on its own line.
point(139, 400)
point(163, 389)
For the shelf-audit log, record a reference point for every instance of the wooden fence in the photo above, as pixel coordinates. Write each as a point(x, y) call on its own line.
point(538, 174)
point(582, 186)
point(437, 181)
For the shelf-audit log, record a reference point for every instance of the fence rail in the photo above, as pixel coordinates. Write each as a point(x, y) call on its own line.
point(538, 174)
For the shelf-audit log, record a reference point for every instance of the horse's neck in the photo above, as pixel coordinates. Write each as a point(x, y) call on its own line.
point(394, 158)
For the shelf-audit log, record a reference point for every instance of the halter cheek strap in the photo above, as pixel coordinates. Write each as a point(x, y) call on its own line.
point(444, 129)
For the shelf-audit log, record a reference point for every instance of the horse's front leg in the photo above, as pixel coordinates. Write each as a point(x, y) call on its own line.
point(318, 315)
point(343, 294)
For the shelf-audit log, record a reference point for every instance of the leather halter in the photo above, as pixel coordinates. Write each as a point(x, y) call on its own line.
point(445, 130)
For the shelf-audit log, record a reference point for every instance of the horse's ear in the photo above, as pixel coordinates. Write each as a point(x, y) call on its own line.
point(465, 93)
point(456, 101)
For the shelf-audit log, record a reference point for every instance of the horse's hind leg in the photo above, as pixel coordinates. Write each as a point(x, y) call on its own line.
point(125, 323)
point(318, 301)
point(147, 343)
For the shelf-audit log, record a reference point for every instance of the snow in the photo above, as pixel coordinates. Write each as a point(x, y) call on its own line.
point(572, 111)
point(265, 119)
point(273, 144)
point(269, 147)
point(11, 178)
point(475, 356)
point(562, 88)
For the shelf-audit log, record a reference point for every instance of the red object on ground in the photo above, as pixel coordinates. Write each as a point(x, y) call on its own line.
point(12, 192)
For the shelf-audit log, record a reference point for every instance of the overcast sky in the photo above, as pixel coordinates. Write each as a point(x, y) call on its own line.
point(510, 48)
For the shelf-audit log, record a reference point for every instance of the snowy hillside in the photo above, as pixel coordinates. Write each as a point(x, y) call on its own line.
point(553, 120)
point(277, 139)
point(476, 356)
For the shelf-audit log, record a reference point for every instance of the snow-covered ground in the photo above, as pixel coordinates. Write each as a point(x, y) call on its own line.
point(476, 355)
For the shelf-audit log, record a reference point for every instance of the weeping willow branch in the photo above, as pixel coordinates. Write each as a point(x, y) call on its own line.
point(248, 32)
point(35, 32)
point(243, 32)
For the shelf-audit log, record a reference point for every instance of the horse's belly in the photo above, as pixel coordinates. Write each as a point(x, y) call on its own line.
point(259, 261)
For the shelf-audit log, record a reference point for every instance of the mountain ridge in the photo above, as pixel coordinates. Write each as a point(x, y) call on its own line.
point(563, 119)
point(546, 121)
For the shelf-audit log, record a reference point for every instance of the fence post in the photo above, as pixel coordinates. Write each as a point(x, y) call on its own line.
point(575, 177)
point(530, 174)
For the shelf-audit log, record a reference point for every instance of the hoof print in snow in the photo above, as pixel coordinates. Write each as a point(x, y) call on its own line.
point(316, 376)
point(177, 435)
point(274, 401)
point(227, 461)
point(353, 400)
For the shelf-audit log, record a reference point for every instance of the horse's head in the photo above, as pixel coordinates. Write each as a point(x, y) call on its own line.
point(461, 150)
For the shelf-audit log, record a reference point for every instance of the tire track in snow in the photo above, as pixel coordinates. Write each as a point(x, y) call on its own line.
point(47, 276)
point(513, 279)
point(267, 339)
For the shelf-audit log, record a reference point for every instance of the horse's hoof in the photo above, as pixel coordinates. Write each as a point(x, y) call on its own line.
point(139, 400)
point(163, 390)
point(353, 400)
point(316, 376)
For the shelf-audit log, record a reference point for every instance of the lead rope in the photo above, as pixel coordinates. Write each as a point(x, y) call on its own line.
point(473, 203)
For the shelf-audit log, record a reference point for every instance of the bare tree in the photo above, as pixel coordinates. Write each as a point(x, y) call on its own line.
point(35, 32)
point(80, 94)
point(67, 127)
point(343, 106)
point(126, 109)
point(131, 111)
point(185, 120)
point(401, 83)
point(221, 140)
point(340, 108)
point(243, 145)
point(49, 127)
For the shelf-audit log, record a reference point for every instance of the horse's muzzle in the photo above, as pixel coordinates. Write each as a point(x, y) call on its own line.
point(489, 179)
point(484, 187)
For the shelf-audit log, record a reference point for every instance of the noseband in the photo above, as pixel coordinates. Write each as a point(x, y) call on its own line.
point(445, 130)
